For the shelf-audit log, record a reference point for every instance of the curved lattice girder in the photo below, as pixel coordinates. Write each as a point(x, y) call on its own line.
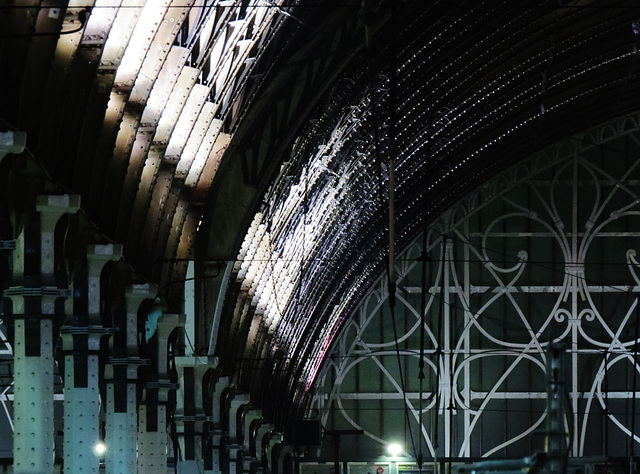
point(545, 252)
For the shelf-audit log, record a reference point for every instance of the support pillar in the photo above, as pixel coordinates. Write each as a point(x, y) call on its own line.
point(557, 446)
point(152, 440)
point(274, 440)
point(12, 142)
point(36, 299)
point(152, 413)
point(81, 402)
point(247, 415)
point(33, 399)
point(216, 427)
point(260, 436)
point(285, 460)
point(233, 451)
point(121, 431)
point(81, 344)
point(190, 415)
point(121, 374)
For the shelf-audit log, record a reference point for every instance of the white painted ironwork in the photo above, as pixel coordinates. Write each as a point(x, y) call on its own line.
point(546, 252)
point(33, 408)
point(6, 355)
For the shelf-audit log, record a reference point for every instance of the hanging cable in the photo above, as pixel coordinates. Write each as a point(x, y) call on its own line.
point(392, 156)
point(389, 229)
point(83, 15)
point(391, 272)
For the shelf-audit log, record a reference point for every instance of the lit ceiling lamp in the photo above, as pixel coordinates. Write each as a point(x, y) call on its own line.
point(99, 449)
point(394, 449)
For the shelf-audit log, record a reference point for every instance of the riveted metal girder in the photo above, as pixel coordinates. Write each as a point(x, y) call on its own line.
point(463, 93)
point(265, 135)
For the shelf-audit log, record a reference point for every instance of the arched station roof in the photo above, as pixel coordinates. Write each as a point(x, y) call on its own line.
point(261, 139)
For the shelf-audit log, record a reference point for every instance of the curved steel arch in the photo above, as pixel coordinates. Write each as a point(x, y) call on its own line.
point(475, 90)
point(511, 268)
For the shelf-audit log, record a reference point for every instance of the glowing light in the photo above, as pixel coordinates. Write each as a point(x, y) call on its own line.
point(394, 449)
point(99, 448)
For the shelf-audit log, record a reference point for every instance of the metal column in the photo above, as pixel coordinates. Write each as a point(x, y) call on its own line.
point(81, 405)
point(557, 447)
point(152, 413)
point(33, 400)
point(189, 416)
point(34, 294)
point(81, 344)
point(216, 428)
point(152, 440)
point(121, 374)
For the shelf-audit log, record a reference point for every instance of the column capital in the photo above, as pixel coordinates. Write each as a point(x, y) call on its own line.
point(62, 203)
point(12, 142)
point(93, 335)
point(44, 297)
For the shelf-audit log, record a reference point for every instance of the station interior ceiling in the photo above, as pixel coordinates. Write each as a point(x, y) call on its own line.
point(267, 167)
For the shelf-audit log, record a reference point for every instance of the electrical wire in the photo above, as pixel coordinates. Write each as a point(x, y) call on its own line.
point(441, 302)
point(328, 4)
point(83, 15)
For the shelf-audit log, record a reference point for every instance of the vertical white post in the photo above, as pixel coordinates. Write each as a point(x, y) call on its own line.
point(152, 440)
point(121, 374)
point(81, 417)
point(34, 293)
point(152, 445)
point(81, 343)
point(33, 403)
point(121, 432)
point(190, 309)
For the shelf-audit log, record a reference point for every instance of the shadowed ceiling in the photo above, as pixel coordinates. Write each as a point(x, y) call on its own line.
point(262, 139)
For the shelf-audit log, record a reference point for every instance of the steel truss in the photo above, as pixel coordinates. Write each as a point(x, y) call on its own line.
point(548, 251)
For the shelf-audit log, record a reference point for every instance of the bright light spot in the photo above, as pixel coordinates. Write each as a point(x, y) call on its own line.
point(99, 448)
point(394, 449)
